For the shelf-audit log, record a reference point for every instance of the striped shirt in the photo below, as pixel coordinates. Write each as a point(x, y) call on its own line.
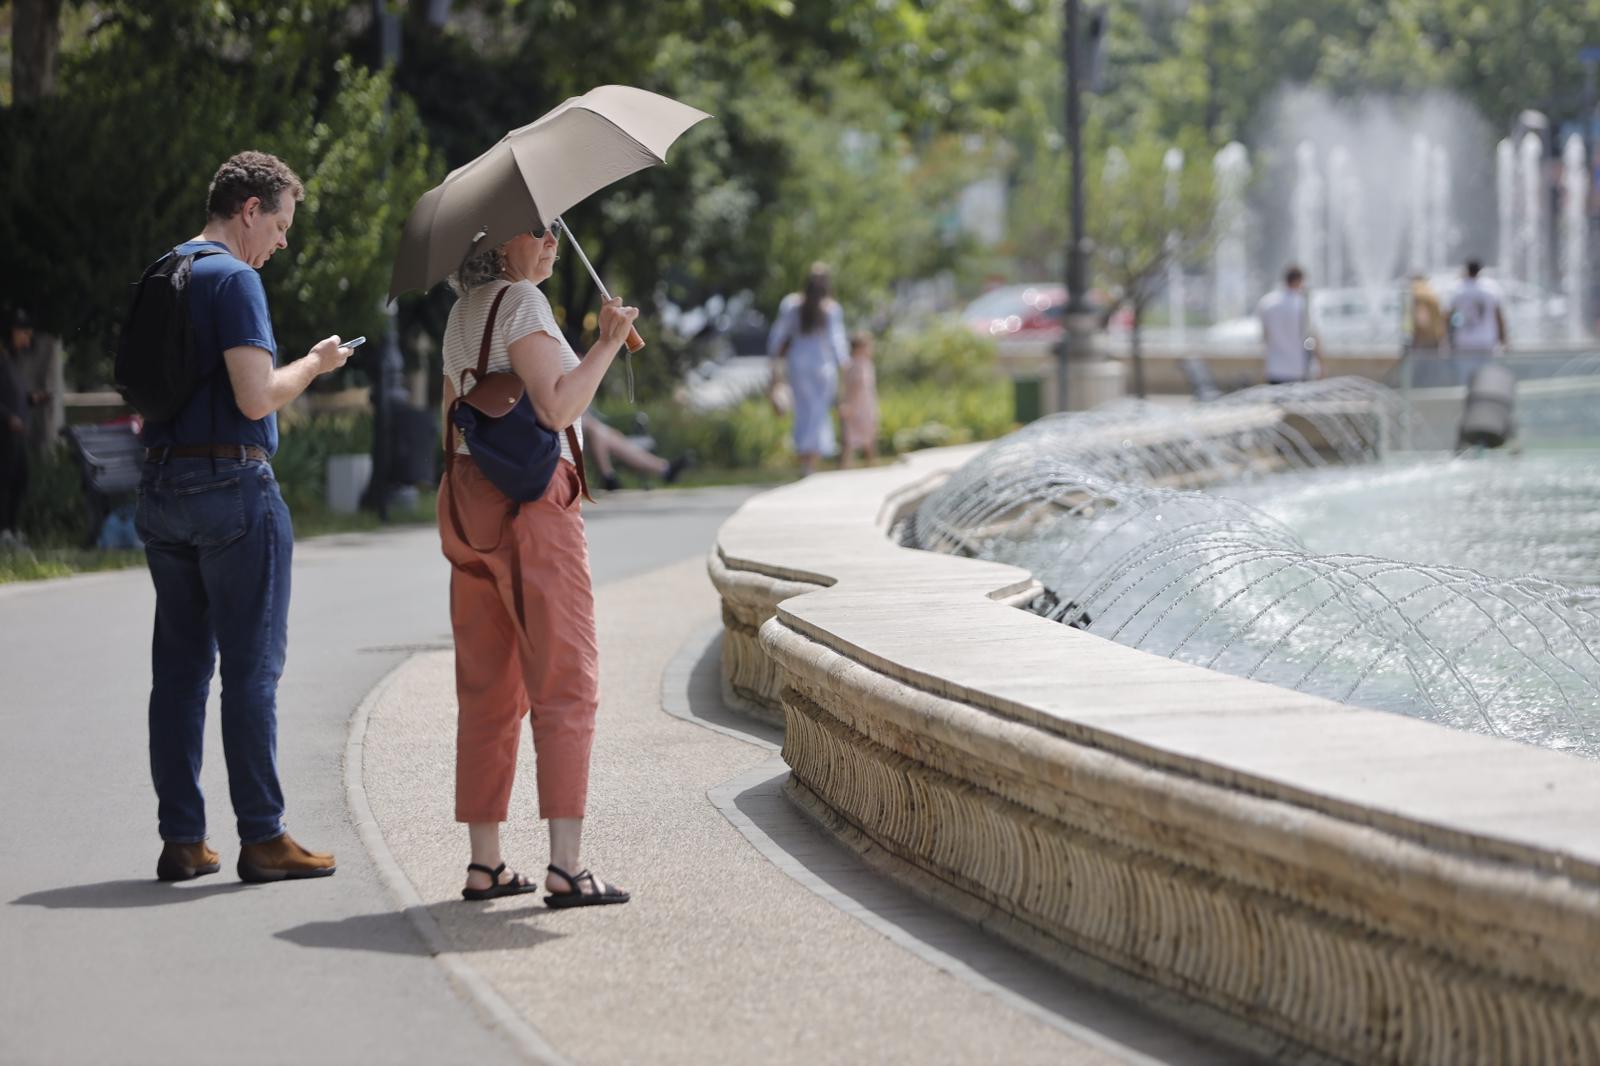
point(525, 310)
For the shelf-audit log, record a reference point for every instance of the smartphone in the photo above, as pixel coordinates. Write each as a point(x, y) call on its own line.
point(356, 343)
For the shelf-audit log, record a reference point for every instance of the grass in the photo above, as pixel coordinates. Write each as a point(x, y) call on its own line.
point(39, 564)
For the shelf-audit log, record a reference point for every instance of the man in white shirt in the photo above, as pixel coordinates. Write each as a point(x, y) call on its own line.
point(1291, 344)
point(1477, 323)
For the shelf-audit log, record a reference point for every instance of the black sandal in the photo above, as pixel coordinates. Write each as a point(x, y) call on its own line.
point(574, 897)
point(514, 887)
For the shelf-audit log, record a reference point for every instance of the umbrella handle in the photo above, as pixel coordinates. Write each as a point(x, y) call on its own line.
point(634, 341)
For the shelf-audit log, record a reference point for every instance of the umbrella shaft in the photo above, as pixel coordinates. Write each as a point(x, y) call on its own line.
point(605, 293)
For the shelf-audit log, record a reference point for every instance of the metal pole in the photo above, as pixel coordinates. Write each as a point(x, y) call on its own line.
point(389, 364)
point(1077, 337)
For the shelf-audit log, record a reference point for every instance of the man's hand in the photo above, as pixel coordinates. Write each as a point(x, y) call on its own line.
point(329, 355)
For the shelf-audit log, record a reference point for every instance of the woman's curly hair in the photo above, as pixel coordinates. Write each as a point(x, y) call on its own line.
point(476, 269)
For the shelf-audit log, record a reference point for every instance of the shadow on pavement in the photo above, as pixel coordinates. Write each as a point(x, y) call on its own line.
point(390, 932)
point(110, 895)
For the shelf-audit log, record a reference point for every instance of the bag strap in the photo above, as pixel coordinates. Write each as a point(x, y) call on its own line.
point(450, 415)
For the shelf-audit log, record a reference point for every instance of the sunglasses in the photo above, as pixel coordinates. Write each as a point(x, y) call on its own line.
point(538, 232)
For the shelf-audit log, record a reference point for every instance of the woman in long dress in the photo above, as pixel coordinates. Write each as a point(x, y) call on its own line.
point(808, 339)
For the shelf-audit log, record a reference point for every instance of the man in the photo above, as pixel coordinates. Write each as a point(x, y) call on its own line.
point(218, 540)
point(15, 399)
point(1477, 323)
point(1291, 345)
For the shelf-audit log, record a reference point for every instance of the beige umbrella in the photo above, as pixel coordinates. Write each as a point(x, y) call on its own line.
point(534, 174)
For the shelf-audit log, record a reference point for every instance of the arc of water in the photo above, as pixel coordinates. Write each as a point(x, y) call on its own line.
point(1505, 190)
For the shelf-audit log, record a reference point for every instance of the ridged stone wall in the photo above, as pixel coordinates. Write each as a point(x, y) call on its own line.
point(1251, 848)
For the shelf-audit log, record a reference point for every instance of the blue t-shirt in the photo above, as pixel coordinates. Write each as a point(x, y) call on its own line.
point(228, 308)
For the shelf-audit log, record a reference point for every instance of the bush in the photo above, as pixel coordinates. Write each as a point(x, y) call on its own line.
point(304, 445)
point(948, 355)
point(54, 514)
point(935, 387)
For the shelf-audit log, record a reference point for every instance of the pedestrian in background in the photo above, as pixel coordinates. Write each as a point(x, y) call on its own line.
point(218, 540)
point(1287, 332)
point(807, 345)
point(1477, 323)
point(15, 400)
point(858, 409)
point(521, 599)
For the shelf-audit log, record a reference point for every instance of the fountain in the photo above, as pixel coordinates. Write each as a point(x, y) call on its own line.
point(1229, 269)
point(1530, 217)
point(1420, 233)
point(1505, 197)
point(1172, 161)
point(1440, 238)
point(1309, 214)
point(1574, 233)
point(1125, 551)
point(1341, 191)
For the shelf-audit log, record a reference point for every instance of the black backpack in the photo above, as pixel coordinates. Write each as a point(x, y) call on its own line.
point(159, 363)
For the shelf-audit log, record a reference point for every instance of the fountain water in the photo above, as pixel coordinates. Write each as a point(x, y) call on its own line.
point(1420, 233)
point(1229, 269)
point(1309, 213)
point(1172, 161)
point(1530, 217)
point(1102, 521)
point(1505, 196)
point(1574, 233)
point(1440, 237)
point(1341, 193)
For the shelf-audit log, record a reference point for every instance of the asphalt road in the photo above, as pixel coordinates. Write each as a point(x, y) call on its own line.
point(99, 963)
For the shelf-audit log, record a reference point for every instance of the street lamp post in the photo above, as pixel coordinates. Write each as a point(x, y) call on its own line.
point(388, 363)
point(1077, 338)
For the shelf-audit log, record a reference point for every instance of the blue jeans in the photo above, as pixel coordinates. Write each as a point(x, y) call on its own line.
point(218, 542)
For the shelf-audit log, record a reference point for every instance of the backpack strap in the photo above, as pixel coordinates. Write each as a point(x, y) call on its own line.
point(450, 415)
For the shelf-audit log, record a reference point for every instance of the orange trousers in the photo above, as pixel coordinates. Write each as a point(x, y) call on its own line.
point(547, 661)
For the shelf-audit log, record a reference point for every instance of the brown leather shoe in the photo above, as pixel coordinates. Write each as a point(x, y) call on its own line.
point(281, 859)
point(183, 862)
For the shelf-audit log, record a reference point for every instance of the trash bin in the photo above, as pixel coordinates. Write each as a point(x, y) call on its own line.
point(1026, 399)
point(347, 481)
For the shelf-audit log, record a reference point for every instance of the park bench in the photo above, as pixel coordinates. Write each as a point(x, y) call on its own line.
point(110, 459)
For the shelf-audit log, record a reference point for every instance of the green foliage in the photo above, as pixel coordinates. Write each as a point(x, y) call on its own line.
point(930, 415)
point(99, 180)
point(54, 513)
point(944, 355)
point(938, 386)
point(304, 445)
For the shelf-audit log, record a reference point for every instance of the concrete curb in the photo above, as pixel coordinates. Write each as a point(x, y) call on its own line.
point(870, 895)
point(472, 986)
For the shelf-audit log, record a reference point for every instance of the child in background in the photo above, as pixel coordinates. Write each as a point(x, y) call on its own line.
point(858, 404)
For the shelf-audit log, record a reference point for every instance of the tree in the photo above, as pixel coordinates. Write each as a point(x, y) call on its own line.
point(99, 179)
point(1143, 217)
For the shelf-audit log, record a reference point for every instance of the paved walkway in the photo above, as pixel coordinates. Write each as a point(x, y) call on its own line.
point(752, 936)
point(99, 963)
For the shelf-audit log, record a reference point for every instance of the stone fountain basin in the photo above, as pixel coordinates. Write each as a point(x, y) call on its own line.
point(1364, 885)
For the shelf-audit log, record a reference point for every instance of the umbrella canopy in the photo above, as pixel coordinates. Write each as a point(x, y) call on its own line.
point(535, 173)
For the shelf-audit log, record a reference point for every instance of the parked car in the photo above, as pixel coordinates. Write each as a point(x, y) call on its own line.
point(1018, 312)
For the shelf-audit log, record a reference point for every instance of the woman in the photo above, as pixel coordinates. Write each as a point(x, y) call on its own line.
point(521, 605)
point(809, 336)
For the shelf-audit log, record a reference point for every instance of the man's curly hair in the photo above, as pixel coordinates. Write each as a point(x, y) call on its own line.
point(252, 174)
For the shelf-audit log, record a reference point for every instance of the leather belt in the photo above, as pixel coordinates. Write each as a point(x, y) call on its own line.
point(239, 452)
